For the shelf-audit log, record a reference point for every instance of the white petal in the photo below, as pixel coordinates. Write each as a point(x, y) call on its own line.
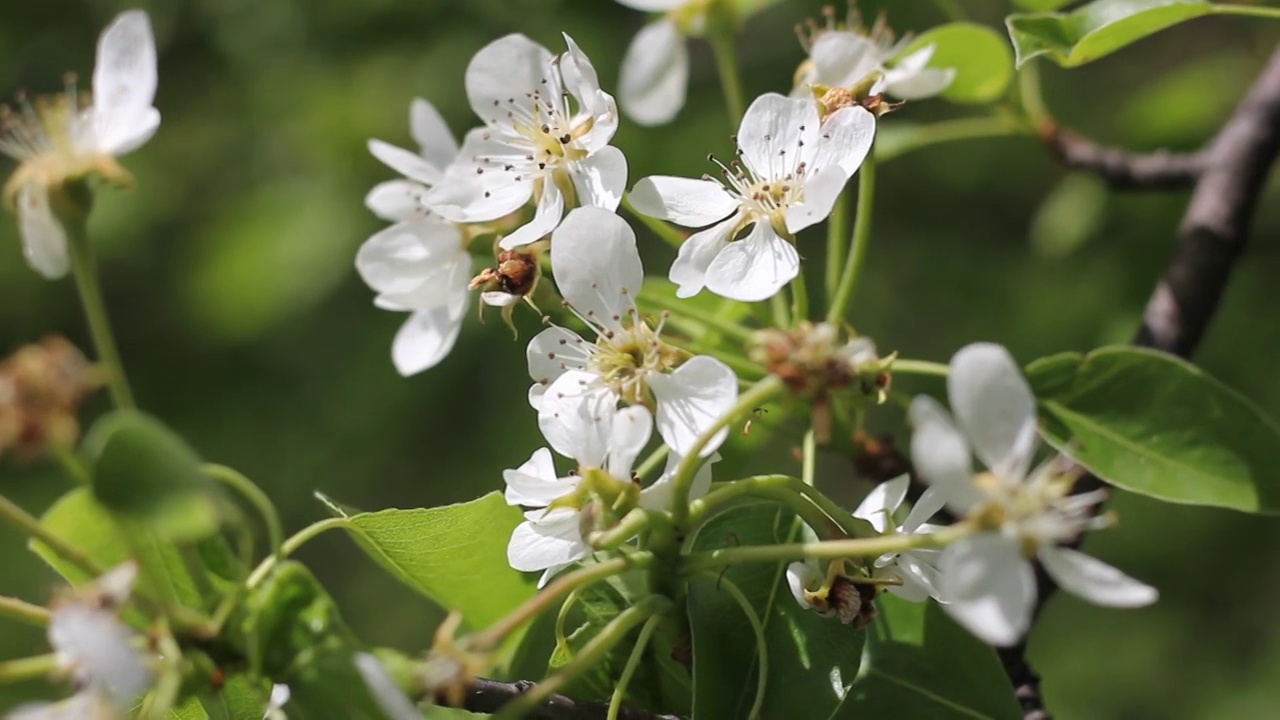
point(44, 242)
point(820, 193)
point(510, 67)
point(800, 575)
point(554, 351)
point(755, 267)
point(631, 430)
point(424, 339)
point(654, 5)
point(919, 579)
point(995, 407)
point(390, 698)
point(582, 82)
point(1094, 580)
point(478, 187)
point(534, 483)
point(280, 695)
point(87, 704)
point(576, 417)
point(399, 259)
point(99, 649)
point(658, 495)
point(396, 200)
point(124, 84)
point(697, 252)
point(931, 501)
point(655, 74)
point(842, 58)
point(882, 502)
point(407, 163)
point(691, 399)
point(941, 454)
point(545, 219)
point(774, 131)
point(555, 538)
point(683, 201)
point(432, 134)
point(988, 587)
point(846, 139)
point(601, 178)
point(920, 85)
point(596, 265)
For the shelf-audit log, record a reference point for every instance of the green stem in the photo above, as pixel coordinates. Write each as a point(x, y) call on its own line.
point(837, 231)
point(71, 464)
point(762, 646)
point(743, 367)
point(824, 550)
point(633, 663)
point(290, 546)
point(652, 462)
point(759, 394)
point(24, 611)
point(84, 270)
point(1031, 97)
point(496, 633)
point(591, 655)
point(686, 309)
point(781, 313)
point(819, 511)
point(165, 695)
point(670, 235)
point(30, 668)
point(631, 525)
point(30, 526)
point(950, 131)
point(857, 243)
point(721, 37)
point(809, 454)
point(255, 497)
point(920, 367)
point(799, 298)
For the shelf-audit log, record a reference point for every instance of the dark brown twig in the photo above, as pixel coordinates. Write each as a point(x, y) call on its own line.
point(487, 696)
point(1124, 169)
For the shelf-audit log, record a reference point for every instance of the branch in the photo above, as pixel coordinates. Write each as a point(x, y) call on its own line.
point(488, 696)
point(1124, 169)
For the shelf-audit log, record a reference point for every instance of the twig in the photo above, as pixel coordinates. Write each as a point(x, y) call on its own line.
point(1124, 169)
point(488, 696)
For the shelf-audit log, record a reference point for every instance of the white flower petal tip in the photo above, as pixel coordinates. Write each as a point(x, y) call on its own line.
point(124, 85)
point(995, 407)
point(989, 588)
point(1094, 580)
point(655, 74)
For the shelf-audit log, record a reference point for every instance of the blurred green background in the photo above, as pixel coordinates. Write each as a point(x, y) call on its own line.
point(229, 275)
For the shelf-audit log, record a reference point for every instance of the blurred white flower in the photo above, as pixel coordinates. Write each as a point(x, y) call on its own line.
point(987, 579)
point(399, 200)
point(65, 138)
point(916, 570)
point(793, 167)
point(597, 268)
point(280, 695)
point(420, 266)
point(655, 71)
point(390, 698)
point(88, 704)
point(546, 138)
point(841, 56)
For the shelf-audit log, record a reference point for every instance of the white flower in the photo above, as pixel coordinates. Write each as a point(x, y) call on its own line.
point(655, 71)
point(793, 169)
point(598, 271)
point(843, 58)
point(421, 266)
point(389, 697)
point(546, 137)
point(987, 579)
point(94, 646)
point(88, 704)
point(916, 569)
point(65, 138)
point(280, 696)
point(399, 200)
point(551, 538)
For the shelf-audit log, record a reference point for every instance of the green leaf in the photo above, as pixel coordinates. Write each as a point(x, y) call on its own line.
point(812, 660)
point(1156, 425)
point(1069, 215)
point(82, 522)
point(980, 56)
point(920, 664)
point(144, 471)
point(1041, 5)
point(456, 555)
point(1097, 29)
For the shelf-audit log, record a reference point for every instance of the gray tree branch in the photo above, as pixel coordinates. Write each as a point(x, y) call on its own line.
point(1124, 169)
point(488, 696)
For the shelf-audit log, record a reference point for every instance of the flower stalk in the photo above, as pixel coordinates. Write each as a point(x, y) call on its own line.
point(857, 243)
point(722, 46)
point(24, 611)
point(31, 668)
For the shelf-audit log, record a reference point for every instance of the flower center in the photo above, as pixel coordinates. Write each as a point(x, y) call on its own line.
point(1040, 510)
point(624, 359)
point(45, 136)
point(765, 199)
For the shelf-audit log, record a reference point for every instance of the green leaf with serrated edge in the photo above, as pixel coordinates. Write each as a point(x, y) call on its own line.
point(1157, 425)
point(980, 56)
point(920, 664)
point(1097, 29)
point(82, 522)
point(146, 472)
point(456, 555)
point(239, 699)
point(812, 661)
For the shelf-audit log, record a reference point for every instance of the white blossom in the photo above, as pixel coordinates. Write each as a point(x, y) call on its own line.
point(844, 58)
point(597, 268)
point(280, 696)
point(793, 167)
point(65, 138)
point(547, 126)
point(987, 579)
point(916, 569)
point(400, 200)
point(655, 70)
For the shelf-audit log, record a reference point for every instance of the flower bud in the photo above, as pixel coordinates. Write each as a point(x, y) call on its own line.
point(42, 387)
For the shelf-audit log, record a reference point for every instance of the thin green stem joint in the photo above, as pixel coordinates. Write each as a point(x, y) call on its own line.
point(857, 243)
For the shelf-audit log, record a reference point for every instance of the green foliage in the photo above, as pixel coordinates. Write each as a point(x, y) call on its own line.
point(920, 664)
point(1069, 215)
point(1041, 5)
point(1156, 425)
point(980, 56)
point(146, 472)
point(456, 554)
point(83, 522)
point(811, 660)
point(1097, 29)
